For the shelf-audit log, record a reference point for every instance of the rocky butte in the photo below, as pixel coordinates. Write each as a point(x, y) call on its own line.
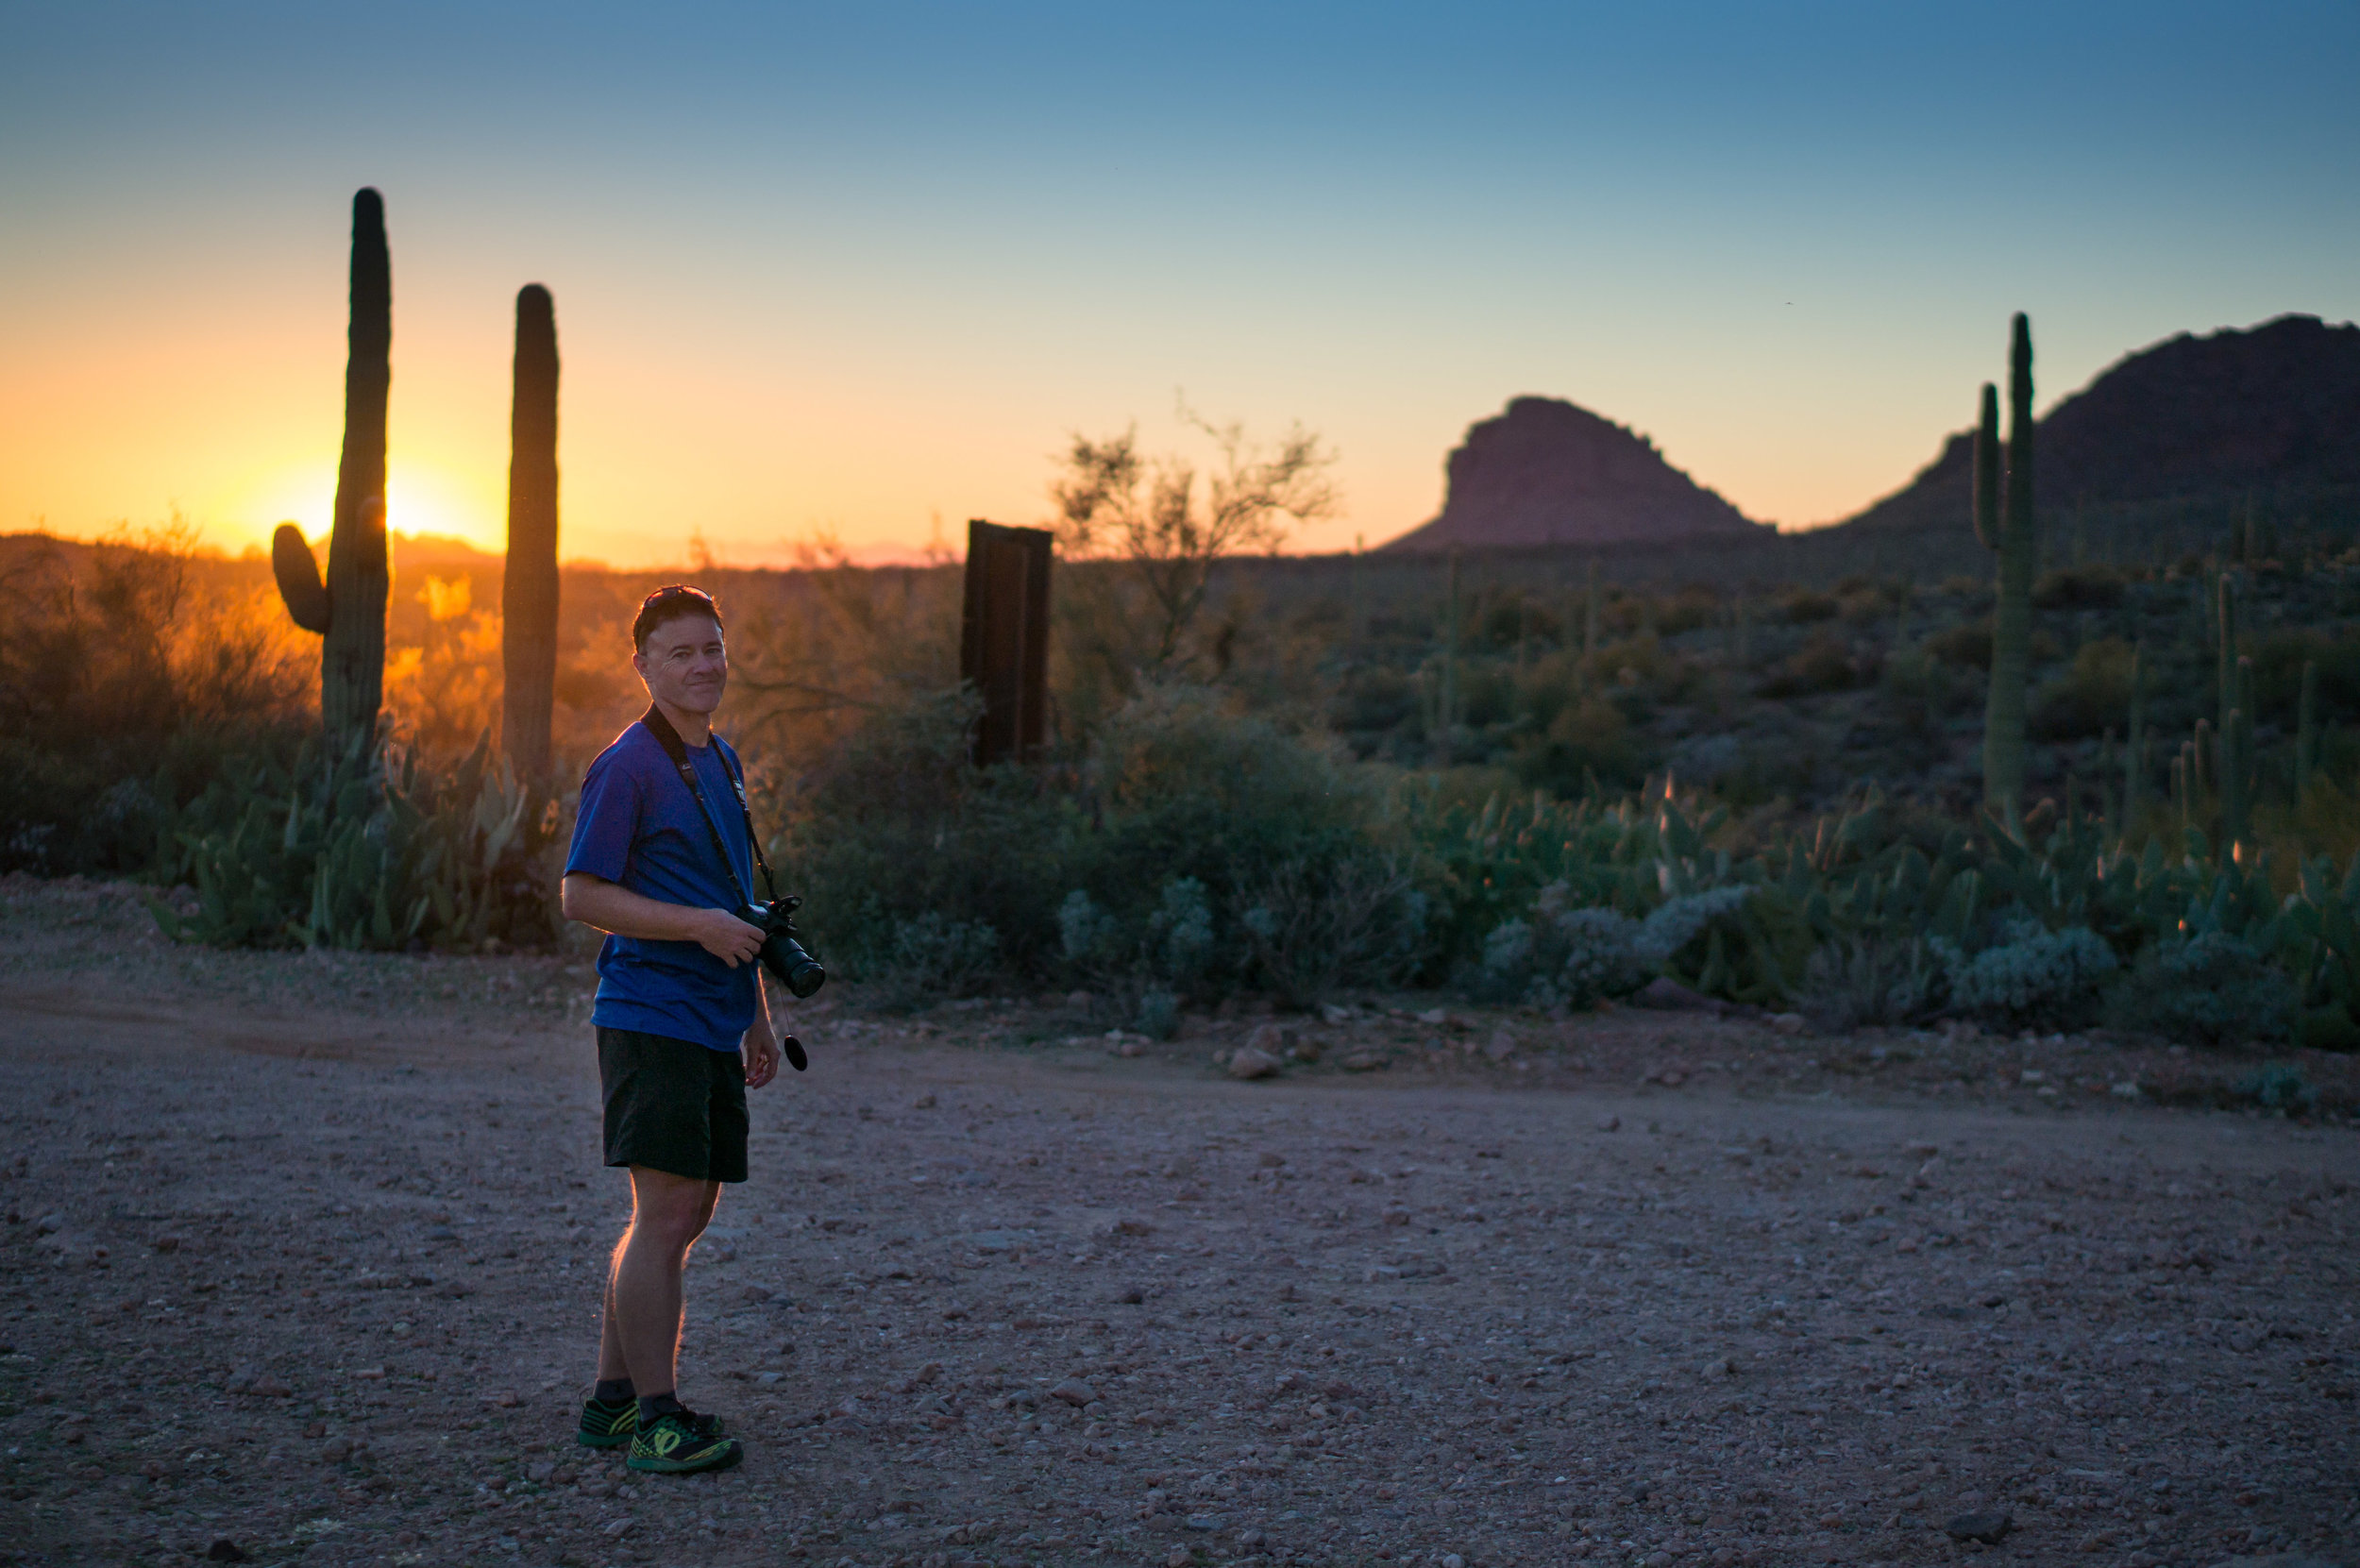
point(1548, 472)
point(2272, 411)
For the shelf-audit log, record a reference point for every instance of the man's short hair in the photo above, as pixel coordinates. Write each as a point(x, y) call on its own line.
point(670, 603)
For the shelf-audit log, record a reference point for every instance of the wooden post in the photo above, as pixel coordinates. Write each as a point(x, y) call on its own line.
point(1003, 642)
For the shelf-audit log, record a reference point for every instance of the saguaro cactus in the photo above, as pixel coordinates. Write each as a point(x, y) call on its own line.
point(2307, 729)
point(2012, 534)
point(529, 588)
point(349, 608)
point(2135, 751)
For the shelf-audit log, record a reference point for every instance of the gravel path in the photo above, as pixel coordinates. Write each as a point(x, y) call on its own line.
point(303, 1256)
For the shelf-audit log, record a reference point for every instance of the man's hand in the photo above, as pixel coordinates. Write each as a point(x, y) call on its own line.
point(727, 937)
point(760, 1055)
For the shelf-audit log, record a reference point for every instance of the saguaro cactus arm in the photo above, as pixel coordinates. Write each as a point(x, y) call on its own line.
point(299, 575)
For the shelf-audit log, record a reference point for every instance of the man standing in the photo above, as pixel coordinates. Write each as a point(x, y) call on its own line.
point(661, 862)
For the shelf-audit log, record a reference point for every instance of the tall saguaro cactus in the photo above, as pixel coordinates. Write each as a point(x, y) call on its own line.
point(349, 608)
point(2006, 525)
point(529, 588)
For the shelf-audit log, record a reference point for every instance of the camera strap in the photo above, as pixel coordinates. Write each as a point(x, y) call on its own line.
point(677, 750)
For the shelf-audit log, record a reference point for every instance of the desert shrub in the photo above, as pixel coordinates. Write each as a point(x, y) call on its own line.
point(1740, 942)
point(132, 676)
point(2036, 979)
point(2280, 1087)
point(1562, 957)
point(1857, 982)
point(932, 957)
point(1966, 644)
point(1803, 606)
point(895, 825)
point(2087, 588)
point(370, 850)
point(1314, 928)
point(1587, 746)
point(1823, 663)
point(2211, 990)
point(2091, 698)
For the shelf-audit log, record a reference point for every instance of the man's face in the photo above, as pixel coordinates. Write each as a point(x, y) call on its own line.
point(684, 665)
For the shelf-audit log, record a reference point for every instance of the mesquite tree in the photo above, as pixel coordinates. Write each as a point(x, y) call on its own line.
point(529, 586)
point(349, 608)
point(2006, 526)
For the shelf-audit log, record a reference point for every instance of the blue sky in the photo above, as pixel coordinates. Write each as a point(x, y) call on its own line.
point(852, 269)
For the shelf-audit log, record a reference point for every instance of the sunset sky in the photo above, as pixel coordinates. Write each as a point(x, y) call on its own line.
point(854, 267)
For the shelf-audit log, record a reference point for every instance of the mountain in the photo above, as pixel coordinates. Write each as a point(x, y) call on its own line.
point(1546, 472)
point(2272, 409)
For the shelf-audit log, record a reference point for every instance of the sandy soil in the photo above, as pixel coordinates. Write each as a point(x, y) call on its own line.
point(302, 1257)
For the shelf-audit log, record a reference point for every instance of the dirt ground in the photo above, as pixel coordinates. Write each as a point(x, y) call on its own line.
point(302, 1257)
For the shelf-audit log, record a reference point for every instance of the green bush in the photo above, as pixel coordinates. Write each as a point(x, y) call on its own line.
point(1853, 981)
point(2090, 699)
point(2036, 979)
point(2211, 990)
point(1562, 957)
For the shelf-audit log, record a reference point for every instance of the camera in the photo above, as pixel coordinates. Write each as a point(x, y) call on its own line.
point(781, 955)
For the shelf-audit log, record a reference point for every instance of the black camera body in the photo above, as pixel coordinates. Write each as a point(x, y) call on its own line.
point(781, 955)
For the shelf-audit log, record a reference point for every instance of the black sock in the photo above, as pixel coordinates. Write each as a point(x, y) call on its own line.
point(655, 1406)
point(613, 1389)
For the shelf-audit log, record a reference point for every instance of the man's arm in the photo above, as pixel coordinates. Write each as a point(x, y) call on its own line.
point(760, 1049)
point(612, 907)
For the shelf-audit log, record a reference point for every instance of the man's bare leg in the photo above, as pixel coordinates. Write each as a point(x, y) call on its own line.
point(640, 1337)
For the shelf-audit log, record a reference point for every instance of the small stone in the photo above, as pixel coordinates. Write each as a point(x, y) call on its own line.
point(1079, 998)
point(1130, 1295)
point(1075, 1392)
point(1501, 1046)
point(269, 1387)
point(1269, 1160)
point(1362, 1061)
point(1330, 1013)
point(1989, 1528)
point(1610, 1124)
point(1132, 1228)
point(1203, 1521)
point(49, 1224)
point(756, 1293)
point(540, 1472)
point(225, 1550)
point(335, 1450)
point(1670, 1077)
point(1452, 1559)
point(1435, 1015)
point(1247, 1062)
point(923, 1102)
point(1787, 1023)
point(1668, 995)
point(167, 1243)
point(1179, 1557)
point(1396, 1216)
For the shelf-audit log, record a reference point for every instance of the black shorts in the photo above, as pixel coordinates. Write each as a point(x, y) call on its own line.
point(673, 1105)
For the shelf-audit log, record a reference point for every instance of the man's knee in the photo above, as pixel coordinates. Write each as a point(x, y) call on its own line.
point(667, 1209)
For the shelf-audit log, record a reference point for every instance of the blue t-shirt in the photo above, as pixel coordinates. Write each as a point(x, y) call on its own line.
point(638, 827)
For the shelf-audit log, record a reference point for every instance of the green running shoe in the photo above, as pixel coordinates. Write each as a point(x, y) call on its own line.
point(674, 1446)
point(607, 1422)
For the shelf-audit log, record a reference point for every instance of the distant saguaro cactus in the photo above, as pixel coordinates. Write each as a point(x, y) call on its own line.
point(2134, 749)
point(2307, 729)
point(2009, 528)
point(529, 588)
point(349, 608)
